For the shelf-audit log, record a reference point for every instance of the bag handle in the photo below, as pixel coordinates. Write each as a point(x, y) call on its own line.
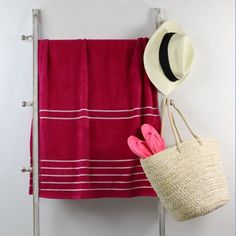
point(174, 128)
point(163, 109)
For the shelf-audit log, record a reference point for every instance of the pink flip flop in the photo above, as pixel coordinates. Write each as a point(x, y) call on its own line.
point(139, 147)
point(154, 140)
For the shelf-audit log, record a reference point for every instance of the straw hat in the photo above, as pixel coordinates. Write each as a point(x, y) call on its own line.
point(168, 57)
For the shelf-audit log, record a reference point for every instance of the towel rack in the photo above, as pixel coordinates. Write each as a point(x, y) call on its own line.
point(35, 167)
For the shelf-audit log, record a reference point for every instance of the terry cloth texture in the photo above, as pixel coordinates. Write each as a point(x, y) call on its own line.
point(93, 94)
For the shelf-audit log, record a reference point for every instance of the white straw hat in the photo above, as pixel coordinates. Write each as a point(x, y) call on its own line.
point(168, 57)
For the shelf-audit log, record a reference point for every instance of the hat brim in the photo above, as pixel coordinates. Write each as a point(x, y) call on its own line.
point(151, 58)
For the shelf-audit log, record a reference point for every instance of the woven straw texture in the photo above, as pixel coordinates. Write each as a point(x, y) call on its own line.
point(190, 181)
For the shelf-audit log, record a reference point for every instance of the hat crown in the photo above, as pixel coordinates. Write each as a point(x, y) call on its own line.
point(168, 57)
point(180, 54)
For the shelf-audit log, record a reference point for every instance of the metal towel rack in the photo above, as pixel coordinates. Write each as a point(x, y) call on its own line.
point(35, 167)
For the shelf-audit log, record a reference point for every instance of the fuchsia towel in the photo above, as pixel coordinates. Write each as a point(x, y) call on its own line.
point(93, 94)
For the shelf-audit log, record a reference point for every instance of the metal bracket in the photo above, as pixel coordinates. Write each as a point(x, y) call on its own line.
point(26, 169)
point(26, 37)
point(27, 104)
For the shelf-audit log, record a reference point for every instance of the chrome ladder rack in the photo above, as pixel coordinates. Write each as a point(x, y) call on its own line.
point(35, 168)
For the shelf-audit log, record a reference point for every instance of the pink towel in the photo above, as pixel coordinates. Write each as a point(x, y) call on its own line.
point(93, 94)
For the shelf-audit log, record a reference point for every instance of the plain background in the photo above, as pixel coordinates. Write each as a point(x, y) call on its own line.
point(207, 99)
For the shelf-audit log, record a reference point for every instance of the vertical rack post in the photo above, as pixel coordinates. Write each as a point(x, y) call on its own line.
point(158, 17)
point(36, 221)
point(161, 209)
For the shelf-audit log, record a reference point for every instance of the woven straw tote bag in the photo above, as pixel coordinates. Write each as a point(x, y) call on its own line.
point(187, 177)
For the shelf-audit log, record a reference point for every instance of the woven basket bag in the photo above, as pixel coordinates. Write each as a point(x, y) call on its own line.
point(187, 177)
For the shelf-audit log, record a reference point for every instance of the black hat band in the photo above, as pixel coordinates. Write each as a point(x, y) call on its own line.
point(164, 59)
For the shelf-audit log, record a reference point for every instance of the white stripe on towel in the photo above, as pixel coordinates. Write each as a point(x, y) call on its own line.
point(90, 160)
point(95, 189)
point(52, 175)
point(88, 167)
point(95, 117)
point(99, 110)
point(97, 182)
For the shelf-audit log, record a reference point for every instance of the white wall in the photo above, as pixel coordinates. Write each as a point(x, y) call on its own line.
point(207, 99)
